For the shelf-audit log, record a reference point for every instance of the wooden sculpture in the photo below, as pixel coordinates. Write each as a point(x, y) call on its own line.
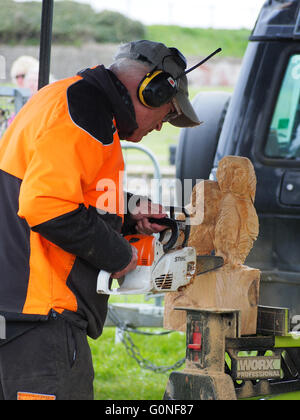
point(229, 226)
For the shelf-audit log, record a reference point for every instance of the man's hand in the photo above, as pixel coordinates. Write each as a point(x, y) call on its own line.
point(143, 212)
point(130, 267)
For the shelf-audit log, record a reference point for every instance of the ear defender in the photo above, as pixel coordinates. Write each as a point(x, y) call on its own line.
point(159, 87)
point(156, 89)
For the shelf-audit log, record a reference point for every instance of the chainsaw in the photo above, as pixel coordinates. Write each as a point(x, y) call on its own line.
point(165, 263)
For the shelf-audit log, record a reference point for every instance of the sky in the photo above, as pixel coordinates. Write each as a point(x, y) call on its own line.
point(218, 14)
point(227, 14)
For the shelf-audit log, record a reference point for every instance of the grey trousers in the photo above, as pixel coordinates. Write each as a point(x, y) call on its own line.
point(51, 361)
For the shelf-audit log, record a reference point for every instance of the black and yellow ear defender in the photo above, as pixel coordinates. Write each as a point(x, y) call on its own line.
point(159, 87)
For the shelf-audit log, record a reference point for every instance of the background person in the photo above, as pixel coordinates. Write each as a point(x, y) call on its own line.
point(25, 73)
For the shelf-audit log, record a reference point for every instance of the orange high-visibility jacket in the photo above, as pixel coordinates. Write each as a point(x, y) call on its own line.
point(62, 145)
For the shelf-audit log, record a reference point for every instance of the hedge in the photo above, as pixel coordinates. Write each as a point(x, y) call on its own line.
point(73, 23)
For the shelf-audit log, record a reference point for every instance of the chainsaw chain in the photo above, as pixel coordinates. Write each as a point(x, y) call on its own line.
point(133, 351)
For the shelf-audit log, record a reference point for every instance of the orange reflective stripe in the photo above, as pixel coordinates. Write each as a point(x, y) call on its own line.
point(28, 396)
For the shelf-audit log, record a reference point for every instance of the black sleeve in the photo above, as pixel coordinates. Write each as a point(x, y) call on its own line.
point(129, 226)
point(91, 236)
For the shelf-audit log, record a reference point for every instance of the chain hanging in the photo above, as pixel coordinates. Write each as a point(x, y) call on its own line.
point(133, 351)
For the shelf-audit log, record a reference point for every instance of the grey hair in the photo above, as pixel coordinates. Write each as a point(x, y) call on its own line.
point(129, 67)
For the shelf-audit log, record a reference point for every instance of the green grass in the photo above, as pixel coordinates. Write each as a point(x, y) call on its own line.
point(119, 377)
point(199, 41)
point(158, 143)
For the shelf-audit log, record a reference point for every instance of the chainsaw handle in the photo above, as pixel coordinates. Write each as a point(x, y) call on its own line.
point(172, 224)
point(103, 283)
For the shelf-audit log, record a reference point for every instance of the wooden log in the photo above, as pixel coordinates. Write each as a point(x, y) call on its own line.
point(225, 288)
point(228, 226)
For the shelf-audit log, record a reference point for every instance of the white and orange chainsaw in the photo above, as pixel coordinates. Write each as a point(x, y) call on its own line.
point(165, 264)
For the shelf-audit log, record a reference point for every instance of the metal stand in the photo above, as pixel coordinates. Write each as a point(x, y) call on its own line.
point(18, 96)
point(204, 376)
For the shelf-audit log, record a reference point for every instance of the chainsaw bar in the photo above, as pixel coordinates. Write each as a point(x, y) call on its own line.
point(206, 263)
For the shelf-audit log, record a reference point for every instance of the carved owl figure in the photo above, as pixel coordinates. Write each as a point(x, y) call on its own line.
point(204, 209)
point(230, 224)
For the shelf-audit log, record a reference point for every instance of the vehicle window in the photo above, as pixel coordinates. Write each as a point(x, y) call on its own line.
point(284, 135)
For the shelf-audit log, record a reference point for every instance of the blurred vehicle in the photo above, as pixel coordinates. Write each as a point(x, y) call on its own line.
point(261, 121)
